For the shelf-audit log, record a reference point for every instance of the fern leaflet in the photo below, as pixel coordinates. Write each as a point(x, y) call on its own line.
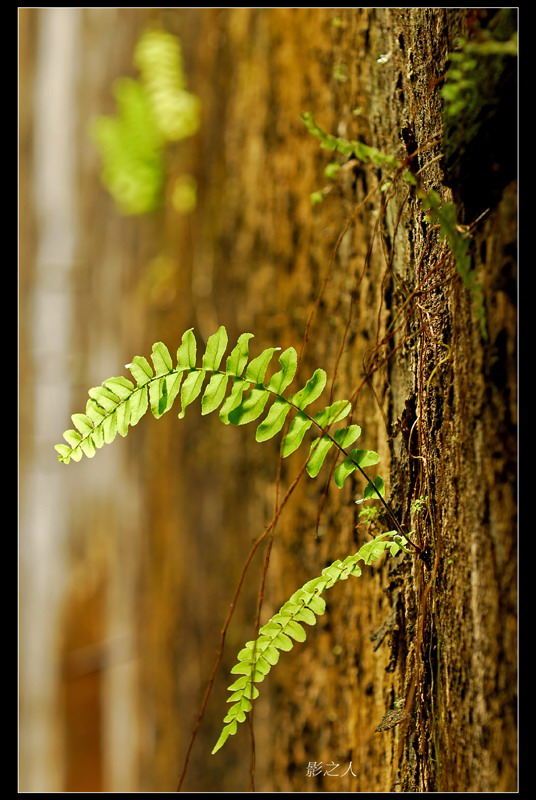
point(257, 657)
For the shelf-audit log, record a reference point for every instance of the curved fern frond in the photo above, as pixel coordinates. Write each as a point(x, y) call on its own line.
point(257, 657)
point(241, 391)
point(347, 148)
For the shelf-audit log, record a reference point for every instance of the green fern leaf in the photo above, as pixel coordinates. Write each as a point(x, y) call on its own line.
point(319, 450)
point(282, 379)
point(283, 642)
point(161, 359)
point(83, 423)
point(256, 369)
point(172, 385)
point(163, 391)
point(214, 393)
point(216, 346)
point(75, 451)
point(236, 363)
point(138, 404)
point(187, 352)
point(370, 492)
point(156, 391)
point(297, 430)
point(227, 731)
point(241, 668)
point(256, 658)
point(311, 391)
point(343, 471)
point(271, 654)
point(274, 420)
point(120, 386)
point(365, 458)
point(320, 447)
point(305, 615)
point(250, 692)
point(88, 447)
point(95, 411)
point(191, 389)
point(122, 416)
point(109, 429)
point(141, 370)
point(73, 438)
point(295, 630)
point(317, 604)
point(241, 683)
point(234, 399)
point(64, 452)
point(333, 413)
point(361, 458)
point(251, 408)
point(246, 653)
point(104, 397)
point(262, 666)
point(347, 436)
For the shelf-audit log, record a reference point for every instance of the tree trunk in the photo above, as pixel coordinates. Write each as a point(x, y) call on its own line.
point(396, 322)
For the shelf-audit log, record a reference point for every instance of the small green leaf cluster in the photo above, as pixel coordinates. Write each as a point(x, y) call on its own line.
point(461, 88)
point(158, 57)
point(348, 149)
point(459, 241)
point(353, 149)
point(419, 505)
point(369, 514)
point(257, 657)
point(240, 390)
point(130, 147)
point(460, 85)
point(150, 112)
point(375, 489)
point(444, 215)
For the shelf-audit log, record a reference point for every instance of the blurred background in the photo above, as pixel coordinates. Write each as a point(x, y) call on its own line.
point(145, 137)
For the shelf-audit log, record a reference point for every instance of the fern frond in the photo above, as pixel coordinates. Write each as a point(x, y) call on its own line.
point(241, 391)
point(459, 241)
point(257, 657)
point(131, 150)
point(346, 147)
point(158, 56)
point(442, 214)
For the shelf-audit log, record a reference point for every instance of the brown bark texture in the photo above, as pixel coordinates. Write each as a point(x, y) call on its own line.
point(373, 292)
